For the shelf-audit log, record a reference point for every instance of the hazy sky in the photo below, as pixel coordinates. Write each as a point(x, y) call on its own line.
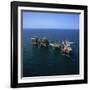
point(50, 20)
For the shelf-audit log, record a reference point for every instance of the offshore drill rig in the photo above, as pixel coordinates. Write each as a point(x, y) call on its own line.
point(64, 46)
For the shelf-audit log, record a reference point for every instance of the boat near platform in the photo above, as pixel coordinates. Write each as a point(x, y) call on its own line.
point(55, 45)
point(64, 46)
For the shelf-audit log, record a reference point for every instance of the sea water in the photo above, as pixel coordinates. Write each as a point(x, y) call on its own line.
point(37, 61)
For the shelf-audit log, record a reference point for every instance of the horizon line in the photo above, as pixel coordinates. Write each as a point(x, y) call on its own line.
point(51, 28)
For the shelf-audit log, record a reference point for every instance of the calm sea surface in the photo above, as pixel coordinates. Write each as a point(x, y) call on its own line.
point(47, 61)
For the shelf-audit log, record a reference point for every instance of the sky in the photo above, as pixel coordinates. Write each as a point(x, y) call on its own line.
point(43, 20)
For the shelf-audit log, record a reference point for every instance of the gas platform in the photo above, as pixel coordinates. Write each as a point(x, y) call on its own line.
point(63, 46)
